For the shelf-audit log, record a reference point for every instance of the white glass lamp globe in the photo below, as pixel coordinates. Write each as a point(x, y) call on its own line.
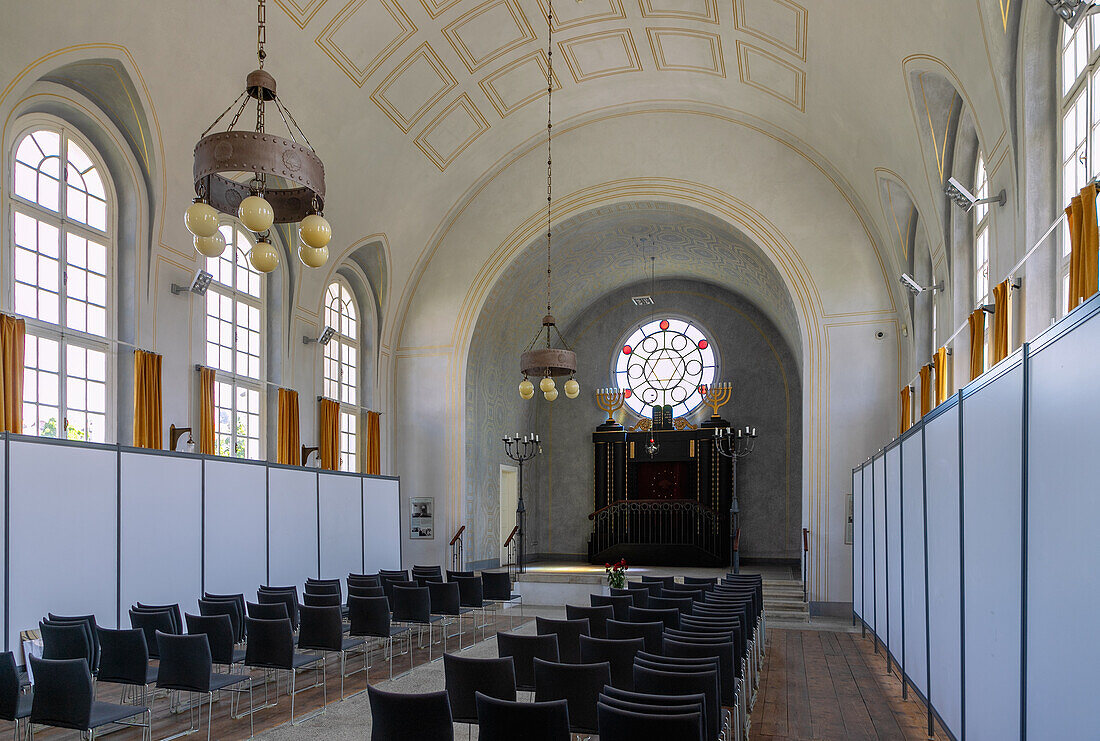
point(546, 385)
point(264, 257)
point(315, 231)
point(212, 246)
point(256, 214)
point(201, 219)
point(551, 394)
point(572, 388)
point(526, 389)
point(312, 257)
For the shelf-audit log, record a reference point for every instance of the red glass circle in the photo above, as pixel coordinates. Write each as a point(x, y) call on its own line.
point(664, 324)
point(626, 349)
point(627, 393)
point(702, 344)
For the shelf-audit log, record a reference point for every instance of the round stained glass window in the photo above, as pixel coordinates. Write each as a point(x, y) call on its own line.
point(664, 362)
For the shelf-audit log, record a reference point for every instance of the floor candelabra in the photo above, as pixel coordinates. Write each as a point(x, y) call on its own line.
point(521, 450)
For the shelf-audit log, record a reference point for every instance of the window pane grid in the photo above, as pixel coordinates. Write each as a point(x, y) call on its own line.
point(340, 359)
point(349, 436)
point(237, 415)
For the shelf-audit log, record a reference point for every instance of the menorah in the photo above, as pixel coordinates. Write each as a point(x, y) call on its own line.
point(715, 396)
point(611, 400)
point(521, 451)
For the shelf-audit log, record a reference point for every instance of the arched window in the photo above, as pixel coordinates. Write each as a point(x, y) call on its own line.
point(234, 319)
point(62, 208)
point(981, 244)
point(341, 368)
point(663, 362)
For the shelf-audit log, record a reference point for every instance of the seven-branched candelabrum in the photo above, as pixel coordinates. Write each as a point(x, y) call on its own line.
point(521, 450)
point(735, 443)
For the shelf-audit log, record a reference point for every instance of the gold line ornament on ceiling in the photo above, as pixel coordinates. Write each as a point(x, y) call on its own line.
point(548, 361)
point(297, 190)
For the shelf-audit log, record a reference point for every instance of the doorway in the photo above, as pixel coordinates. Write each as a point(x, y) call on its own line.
point(509, 499)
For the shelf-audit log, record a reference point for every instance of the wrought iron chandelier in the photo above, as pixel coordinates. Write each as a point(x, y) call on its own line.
point(255, 202)
point(548, 361)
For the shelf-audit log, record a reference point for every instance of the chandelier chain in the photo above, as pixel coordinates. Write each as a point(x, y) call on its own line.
point(261, 32)
point(549, 131)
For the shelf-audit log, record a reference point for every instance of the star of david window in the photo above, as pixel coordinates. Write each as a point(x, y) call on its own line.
point(664, 362)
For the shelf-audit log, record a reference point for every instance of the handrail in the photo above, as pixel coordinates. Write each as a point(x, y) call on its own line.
point(458, 535)
point(649, 501)
point(511, 535)
point(805, 539)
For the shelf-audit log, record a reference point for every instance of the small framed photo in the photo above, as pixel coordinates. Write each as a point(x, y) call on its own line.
point(422, 518)
point(849, 521)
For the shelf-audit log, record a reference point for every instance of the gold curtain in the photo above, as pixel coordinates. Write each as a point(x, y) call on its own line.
point(147, 400)
point(977, 343)
point(906, 408)
point(925, 389)
point(374, 443)
point(289, 446)
point(943, 384)
point(1001, 302)
point(329, 438)
point(206, 411)
point(13, 335)
point(1084, 247)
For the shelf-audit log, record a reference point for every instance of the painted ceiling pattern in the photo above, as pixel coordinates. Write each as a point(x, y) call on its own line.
point(445, 71)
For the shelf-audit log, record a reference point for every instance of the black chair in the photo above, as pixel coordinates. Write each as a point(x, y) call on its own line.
point(401, 717)
point(568, 633)
point(670, 616)
point(466, 676)
point(617, 724)
point(65, 641)
point(497, 586)
point(323, 586)
point(578, 684)
point(271, 647)
point(471, 594)
point(237, 599)
point(370, 618)
point(322, 630)
point(658, 580)
point(597, 617)
point(124, 659)
point(428, 570)
point(229, 608)
point(285, 595)
point(725, 652)
point(364, 580)
point(403, 575)
point(312, 599)
point(149, 623)
point(452, 574)
point(423, 580)
point(173, 610)
point(64, 698)
point(640, 702)
point(619, 654)
point(267, 611)
point(218, 630)
point(505, 720)
point(617, 602)
point(357, 591)
point(523, 650)
point(388, 582)
point(445, 600)
point(15, 706)
point(693, 591)
point(413, 606)
point(673, 682)
point(682, 604)
point(651, 633)
point(90, 625)
point(186, 666)
point(707, 582)
point(637, 592)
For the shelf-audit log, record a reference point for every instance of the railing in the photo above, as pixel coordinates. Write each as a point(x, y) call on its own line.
point(656, 522)
point(457, 561)
point(510, 546)
point(805, 561)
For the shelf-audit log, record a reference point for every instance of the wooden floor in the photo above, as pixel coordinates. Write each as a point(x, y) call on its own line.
point(823, 685)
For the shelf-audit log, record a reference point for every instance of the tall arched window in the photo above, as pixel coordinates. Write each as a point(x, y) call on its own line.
point(982, 289)
point(341, 368)
point(234, 318)
point(62, 208)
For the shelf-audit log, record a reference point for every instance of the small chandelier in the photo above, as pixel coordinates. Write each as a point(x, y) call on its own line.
point(548, 361)
point(254, 202)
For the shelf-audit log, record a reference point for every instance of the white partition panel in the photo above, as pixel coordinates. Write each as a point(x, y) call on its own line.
point(882, 608)
point(893, 550)
point(381, 524)
point(914, 658)
point(235, 558)
point(160, 557)
point(857, 542)
point(869, 605)
point(942, 466)
point(992, 422)
point(1063, 581)
point(341, 519)
point(63, 552)
point(292, 526)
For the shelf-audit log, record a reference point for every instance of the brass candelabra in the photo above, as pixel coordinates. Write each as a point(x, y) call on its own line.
point(610, 400)
point(715, 396)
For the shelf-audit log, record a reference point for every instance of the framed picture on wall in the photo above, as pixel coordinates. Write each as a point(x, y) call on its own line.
point(849, 521)
point(422, 518)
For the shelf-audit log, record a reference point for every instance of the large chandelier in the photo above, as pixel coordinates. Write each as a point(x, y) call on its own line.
point(546, 360)
point(256, 202)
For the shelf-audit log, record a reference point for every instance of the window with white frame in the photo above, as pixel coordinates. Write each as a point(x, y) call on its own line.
point(234, 319)
point(982, 289)
point(61, 209)
point(1080, 154)
point(340, 368)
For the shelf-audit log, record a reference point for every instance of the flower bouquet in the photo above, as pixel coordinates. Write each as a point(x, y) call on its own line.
point(616, 574)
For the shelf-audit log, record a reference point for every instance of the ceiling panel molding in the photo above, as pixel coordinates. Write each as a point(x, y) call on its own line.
point(779, 23)
point(488, 32)
point(300, 12)
point(772, 75)
point(519, 83)
point(597, 55)
point(434, 9)
point(685, 10)
point(452, 131)
point(411, 89)
point(682, 50)
point(575, 14)
point(363, 35)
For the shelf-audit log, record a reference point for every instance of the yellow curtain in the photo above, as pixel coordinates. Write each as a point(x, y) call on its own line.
point(925, 389)
point(1084, 247)
point(943, 384)
point(206, 411)
point(289, 447)
point(147, 400)
point(1002, 309)
point(374, 443)
point(329, 438)
point(13, 335)
point(906, 408)
point(977, 343)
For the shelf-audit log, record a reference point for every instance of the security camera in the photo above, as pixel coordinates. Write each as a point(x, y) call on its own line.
point(909, 282)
